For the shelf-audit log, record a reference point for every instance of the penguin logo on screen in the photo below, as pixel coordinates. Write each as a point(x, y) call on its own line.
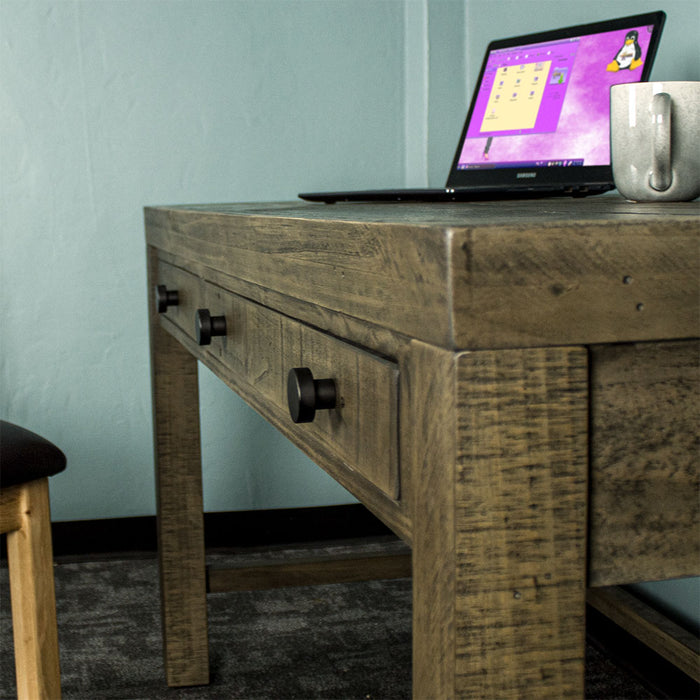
point(629, 56)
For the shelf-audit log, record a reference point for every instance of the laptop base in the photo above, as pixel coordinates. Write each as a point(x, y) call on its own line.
point(451, 194)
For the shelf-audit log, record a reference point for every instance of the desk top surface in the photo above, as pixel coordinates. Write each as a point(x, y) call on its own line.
point(461, 275)
point(550, 211)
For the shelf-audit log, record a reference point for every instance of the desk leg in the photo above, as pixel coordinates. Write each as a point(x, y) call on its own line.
point(180, 509)
point(499, 490)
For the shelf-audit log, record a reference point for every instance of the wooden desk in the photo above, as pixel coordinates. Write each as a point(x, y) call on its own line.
point(517, 390)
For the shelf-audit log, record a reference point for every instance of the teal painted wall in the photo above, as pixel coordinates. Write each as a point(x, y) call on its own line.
point(109, 106)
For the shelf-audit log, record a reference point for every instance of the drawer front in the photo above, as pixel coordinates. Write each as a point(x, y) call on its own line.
point(261, 346)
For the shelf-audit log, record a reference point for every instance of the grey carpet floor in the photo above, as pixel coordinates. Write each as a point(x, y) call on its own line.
point(331, 641)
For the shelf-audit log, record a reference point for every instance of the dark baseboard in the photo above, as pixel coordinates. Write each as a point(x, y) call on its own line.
point(255, 528)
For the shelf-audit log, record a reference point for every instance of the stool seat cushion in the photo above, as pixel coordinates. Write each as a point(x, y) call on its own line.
point(25, 456)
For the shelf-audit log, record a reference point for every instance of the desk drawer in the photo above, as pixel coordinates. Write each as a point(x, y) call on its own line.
point(255, 355)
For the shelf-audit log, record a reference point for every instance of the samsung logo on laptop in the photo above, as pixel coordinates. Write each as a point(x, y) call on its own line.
point(524, 176)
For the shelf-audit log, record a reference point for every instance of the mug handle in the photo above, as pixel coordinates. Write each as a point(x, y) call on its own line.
point(660, 176)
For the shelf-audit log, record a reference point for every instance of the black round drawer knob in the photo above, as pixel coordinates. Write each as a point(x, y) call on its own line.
point(206, 326)
point(166, 297)
point(307, 395)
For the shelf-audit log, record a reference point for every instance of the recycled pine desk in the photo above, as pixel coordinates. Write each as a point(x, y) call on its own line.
point(512, 389)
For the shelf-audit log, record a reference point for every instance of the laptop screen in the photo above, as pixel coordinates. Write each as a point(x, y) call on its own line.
point(545, 103)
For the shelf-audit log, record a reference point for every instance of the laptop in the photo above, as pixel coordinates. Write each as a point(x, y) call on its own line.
point(539, 120)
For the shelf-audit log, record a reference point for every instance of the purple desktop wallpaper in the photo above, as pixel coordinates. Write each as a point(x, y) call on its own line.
point(534, 109)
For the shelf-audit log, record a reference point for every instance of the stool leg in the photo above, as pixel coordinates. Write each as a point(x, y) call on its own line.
point(30, 562)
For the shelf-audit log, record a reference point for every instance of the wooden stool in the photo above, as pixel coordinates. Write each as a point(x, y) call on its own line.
point(26, 462)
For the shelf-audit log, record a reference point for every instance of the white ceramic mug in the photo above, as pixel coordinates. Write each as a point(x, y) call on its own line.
point(655, 140)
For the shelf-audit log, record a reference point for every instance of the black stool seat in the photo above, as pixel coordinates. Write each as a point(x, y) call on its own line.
point(25, 456)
